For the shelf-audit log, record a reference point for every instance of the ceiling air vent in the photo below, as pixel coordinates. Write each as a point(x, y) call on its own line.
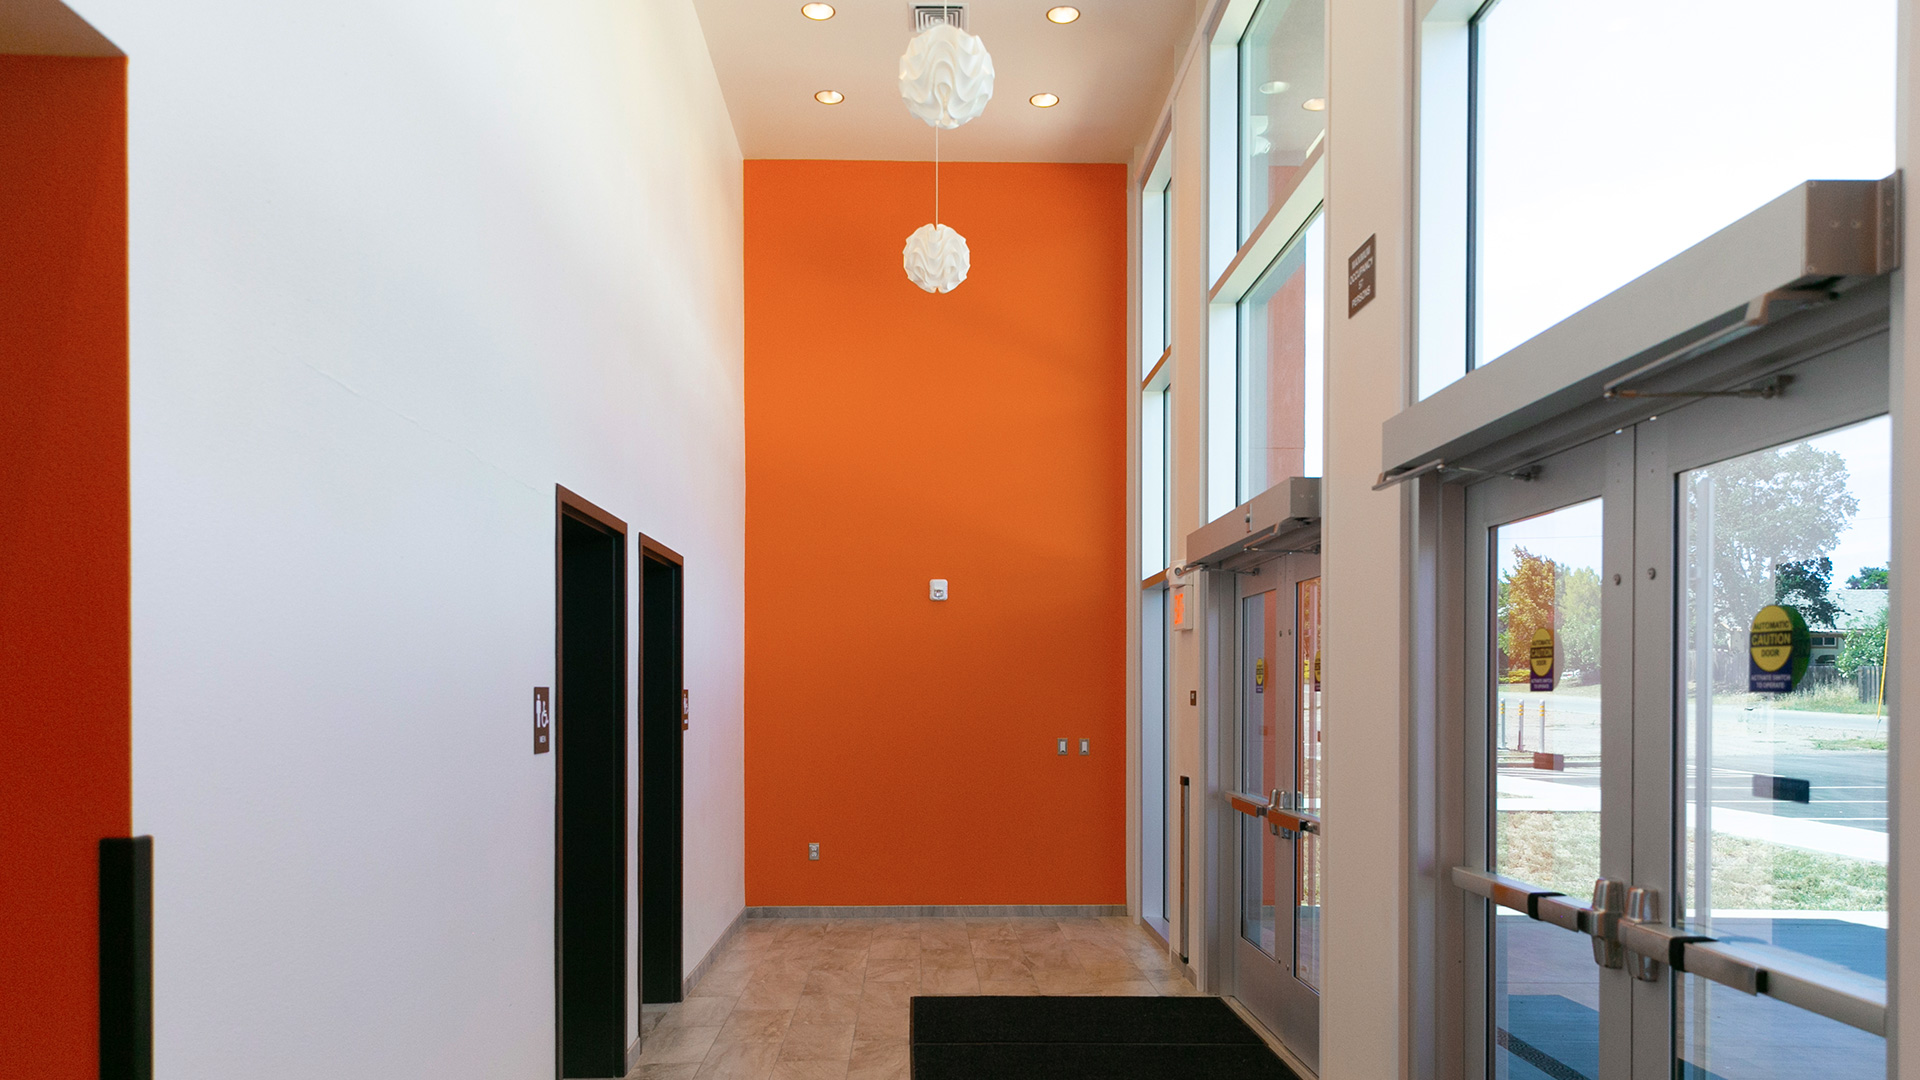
point(925, 15)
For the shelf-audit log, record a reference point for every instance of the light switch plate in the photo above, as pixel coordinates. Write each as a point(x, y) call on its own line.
point(1063, 747)
point(937, 589)
point(1086, 747)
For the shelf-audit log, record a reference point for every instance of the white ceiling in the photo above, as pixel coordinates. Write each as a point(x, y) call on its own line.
point(1111, 69)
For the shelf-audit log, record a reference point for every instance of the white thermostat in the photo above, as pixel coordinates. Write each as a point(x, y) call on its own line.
point(937, 589)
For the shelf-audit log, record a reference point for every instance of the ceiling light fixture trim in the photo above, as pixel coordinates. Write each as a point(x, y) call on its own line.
point(829, 97)
point(817, 12)
point(1044, 101)
point(1063, 14)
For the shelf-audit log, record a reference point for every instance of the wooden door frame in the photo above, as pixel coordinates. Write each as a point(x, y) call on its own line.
point(652, 549)
point(570, 504)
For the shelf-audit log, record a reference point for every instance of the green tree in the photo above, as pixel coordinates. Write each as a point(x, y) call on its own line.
point(1580, 622)
point(1778, 507)
point(1869, 577)
point(1864, 645)
point(1808, 585)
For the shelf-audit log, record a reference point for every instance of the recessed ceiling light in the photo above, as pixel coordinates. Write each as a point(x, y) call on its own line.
point(1044, 101)
point(1314, 104)
point(829, 97)
point(1274, 87)
point(817, 12)
point(1062, 15)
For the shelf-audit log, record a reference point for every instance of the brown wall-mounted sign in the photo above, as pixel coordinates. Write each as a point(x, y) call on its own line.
point(1360, 278)
point(542, 721)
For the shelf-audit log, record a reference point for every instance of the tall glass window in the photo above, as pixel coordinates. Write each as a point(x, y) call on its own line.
point(1283, 100)
point(1282, 392)
point(1153, 755)
point(1155, 485)
point(1156, 283)
point(1608, 138)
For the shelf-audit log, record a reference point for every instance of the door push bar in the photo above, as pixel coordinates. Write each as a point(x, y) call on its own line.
point(1284, 822)
point(1637, 927)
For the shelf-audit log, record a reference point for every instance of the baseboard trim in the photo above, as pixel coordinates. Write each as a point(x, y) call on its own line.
point(633, 1054)
point(700, 969)
point(944, 911)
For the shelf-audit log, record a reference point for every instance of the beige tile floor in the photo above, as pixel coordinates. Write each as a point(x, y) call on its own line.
point(820, 999)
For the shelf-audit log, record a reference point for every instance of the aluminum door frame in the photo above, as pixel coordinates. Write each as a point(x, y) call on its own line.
point(1296, 1002)
point(1602, 468)
point(1834, 387)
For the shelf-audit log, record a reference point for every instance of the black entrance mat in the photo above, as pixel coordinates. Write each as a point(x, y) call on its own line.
point(1087, 1038)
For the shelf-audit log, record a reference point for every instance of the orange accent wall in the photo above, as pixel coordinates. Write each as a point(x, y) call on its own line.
point(65, 758)
point(894, 437)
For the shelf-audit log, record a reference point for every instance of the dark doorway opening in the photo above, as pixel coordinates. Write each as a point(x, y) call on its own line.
point(590, 762)
point(662, 735)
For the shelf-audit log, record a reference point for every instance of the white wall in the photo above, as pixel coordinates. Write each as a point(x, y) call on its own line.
point(398, 268)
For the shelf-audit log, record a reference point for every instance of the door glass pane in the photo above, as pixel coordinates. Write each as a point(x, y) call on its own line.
point(1690, 101)
point(1545, 731)
point(1259, 854)
point(1282, 375)
point(1785, 745)
point(1307, 853)
point(1283, 100)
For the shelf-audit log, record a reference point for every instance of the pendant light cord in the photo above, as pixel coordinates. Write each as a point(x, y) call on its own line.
point(936, 175)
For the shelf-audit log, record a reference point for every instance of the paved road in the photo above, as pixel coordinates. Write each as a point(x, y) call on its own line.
point(1848, 787)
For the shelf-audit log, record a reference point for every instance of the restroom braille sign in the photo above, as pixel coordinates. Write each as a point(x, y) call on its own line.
point(1360, 278)
point(542, 721)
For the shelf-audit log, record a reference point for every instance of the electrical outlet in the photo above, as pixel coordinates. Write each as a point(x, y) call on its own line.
point(813, 852)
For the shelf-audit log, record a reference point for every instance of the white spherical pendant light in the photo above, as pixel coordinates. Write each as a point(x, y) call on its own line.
point(946, 76)
point(936, 258)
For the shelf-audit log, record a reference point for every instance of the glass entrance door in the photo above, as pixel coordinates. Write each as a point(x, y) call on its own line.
point(1278, 728)
point(1551, 699)
point(1677, 744)
point(1779, 806)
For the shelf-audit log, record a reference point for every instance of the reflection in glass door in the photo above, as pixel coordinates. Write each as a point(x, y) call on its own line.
point(1259, 768)
point(1308, 722)
point(1545, 732)
point(1782, 613)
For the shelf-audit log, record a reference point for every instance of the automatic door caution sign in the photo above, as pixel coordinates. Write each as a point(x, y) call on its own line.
point(1540, 660)
point(1777, 649)
point(1260, 675)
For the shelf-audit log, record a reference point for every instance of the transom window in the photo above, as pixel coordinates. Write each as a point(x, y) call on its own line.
point(1606, 139)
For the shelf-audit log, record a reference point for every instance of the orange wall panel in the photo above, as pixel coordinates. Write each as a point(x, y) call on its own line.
point(65, 763)
point(894, 437)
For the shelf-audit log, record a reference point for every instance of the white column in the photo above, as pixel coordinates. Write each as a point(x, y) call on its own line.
point(1363, 1007)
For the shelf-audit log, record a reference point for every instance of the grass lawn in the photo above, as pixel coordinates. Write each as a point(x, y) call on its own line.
point(1840, 697)
point(1561, 851)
